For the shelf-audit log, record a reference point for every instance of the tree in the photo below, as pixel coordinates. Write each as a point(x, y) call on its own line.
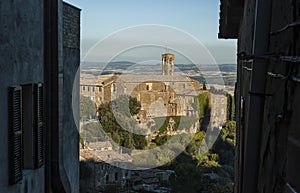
point(91, 132)
point(194, 146)
point(225, 144)
point(187, 178)
point(139, 141)
point(203, 101)
point(134, 106)
point(230, 108)
point(87, 107)
point(123, 108)
point(204, 86)
point(160, 140)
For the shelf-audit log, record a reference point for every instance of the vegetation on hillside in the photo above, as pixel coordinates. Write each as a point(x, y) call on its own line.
point(230, 107)
point(115, 118)
point(210, 171)
point(87, 107)
point(203, 102)
point(196, 168)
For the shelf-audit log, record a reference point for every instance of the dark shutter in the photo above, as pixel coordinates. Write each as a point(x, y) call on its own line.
point(15, 135)
point(39, 127)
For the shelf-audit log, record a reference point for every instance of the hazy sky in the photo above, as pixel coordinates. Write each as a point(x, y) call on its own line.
point(200, 18)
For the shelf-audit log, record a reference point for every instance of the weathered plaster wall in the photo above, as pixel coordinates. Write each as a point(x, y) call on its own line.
point(21, 62)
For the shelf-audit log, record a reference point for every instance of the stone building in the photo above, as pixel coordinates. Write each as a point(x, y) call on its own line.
point(160, 95)
point(218, 104)
point(103, 172)
point(168, 64)
point(40, 56)
point(165, 94)
point(100, 146)
point(98, 89)
point(267, 92)
point(90, 87)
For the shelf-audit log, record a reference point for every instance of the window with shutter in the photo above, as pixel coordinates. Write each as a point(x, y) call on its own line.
point(15, 135)
point(33, 128)
point(28, 125)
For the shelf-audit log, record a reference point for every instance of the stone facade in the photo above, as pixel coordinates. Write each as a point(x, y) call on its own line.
point(218, 104)
point(102, 174)
point(71, 26)
point(69, 117)
point(160, 95)
point(168, 64)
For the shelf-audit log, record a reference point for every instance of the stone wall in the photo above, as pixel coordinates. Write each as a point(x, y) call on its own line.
point(155, 95)
point(70, 94)
point(218, 114)
point(71, 26)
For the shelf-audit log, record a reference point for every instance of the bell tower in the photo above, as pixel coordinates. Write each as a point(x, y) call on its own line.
point(168, 64)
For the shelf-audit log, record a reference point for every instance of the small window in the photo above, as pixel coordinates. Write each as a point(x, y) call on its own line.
point(116, 176)
point(114, 89)
point(147, 87)
point(83, 88)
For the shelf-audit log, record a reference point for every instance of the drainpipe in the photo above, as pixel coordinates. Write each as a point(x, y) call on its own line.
point(254, 124)
point(56, 180)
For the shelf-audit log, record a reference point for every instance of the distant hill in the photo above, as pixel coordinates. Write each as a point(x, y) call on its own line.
point(124, 65)
point(196, 72)
point(228, 67)
point(208, 67)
